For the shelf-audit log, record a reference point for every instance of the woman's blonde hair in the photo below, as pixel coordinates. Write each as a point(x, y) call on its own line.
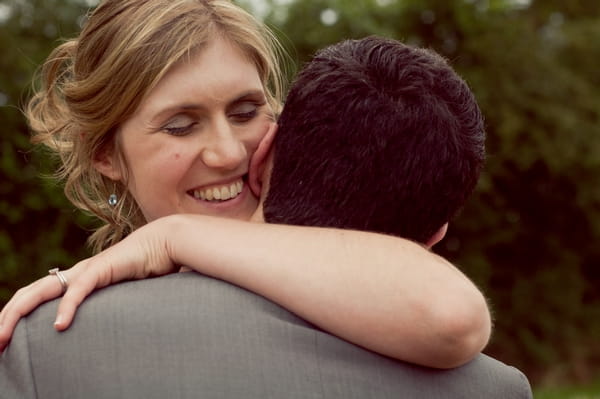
point(91, 84)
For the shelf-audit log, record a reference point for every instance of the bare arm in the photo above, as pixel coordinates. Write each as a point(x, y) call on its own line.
point(384, 293)
point(387, 294)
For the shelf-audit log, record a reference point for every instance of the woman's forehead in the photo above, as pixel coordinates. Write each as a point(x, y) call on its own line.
point(217, 71)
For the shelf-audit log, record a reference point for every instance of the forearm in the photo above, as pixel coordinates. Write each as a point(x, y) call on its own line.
point(384, 293)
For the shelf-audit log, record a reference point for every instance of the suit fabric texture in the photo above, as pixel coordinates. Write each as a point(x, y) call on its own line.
point(186, 335)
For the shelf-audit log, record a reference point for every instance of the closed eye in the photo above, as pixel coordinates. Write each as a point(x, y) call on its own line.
point(180, 130)
point(181, 125)
point(244, 111)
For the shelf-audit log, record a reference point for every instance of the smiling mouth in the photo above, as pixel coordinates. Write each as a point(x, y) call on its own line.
point(219, 193)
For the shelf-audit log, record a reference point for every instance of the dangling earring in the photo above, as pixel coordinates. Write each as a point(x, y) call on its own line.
point(112, 200)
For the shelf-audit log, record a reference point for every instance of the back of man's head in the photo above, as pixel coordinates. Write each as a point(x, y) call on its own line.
point(378, 136)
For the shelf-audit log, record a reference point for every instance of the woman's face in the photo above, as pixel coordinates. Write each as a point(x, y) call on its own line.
point(188, 145)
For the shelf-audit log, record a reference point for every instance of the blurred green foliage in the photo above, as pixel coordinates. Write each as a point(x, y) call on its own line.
point(38, 228)
point(587, 391)
point(529, 235)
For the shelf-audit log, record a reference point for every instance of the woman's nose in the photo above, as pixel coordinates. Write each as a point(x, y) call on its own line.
point(225, 150)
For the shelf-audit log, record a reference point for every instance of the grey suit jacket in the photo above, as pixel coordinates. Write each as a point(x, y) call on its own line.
point(189, 336)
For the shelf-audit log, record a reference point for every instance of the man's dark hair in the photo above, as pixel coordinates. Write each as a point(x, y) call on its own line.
point(379, 136)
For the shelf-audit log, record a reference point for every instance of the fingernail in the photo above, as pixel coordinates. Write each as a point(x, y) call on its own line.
point(58, 320)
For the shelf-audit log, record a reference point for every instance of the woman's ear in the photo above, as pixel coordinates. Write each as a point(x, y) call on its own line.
point(437, 237)
point(259, 160)
point(106, 162)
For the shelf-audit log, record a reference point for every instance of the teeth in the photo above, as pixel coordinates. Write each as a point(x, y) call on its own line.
point(225, 195)
point(216, 193)
point(222, 193)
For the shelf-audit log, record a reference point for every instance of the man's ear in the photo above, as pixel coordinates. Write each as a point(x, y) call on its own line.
point(259, 160)
point(437, 236)
point(106, 162)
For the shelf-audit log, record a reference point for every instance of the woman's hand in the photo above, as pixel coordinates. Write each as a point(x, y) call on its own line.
point(142, 254)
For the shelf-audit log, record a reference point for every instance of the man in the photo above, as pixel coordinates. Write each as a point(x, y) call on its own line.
point(376, 136)
point(201, 337)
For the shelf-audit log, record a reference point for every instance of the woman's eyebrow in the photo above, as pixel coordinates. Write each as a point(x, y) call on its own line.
point(255, 94)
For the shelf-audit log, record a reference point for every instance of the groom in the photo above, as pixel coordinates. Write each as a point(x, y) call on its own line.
point(375, 135)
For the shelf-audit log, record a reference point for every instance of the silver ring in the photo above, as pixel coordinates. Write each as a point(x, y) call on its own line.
point(61, 277)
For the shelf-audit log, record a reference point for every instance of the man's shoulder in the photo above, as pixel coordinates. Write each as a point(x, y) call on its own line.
point(189, 302)
point(507, 381)
point(183, 333)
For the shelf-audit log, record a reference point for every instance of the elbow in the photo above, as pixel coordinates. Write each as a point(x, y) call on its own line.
point(465, 331)
point(453, 332)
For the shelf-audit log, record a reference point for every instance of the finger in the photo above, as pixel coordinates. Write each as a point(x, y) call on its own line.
point(23, 302)
point(80, 287)
point(68, 305)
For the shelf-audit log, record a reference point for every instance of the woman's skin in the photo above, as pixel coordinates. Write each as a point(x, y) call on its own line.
point(192, 138)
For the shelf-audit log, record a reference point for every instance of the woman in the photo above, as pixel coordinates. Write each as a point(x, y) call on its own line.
point(156, 110)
